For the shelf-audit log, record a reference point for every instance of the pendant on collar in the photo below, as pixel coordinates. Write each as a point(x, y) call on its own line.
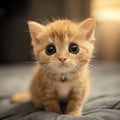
point(63, 78)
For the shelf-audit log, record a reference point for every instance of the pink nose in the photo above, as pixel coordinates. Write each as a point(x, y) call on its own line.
point(62, 59)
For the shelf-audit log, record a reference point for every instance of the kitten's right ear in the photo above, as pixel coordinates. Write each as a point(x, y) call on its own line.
point(35, 29)
point(88, 26)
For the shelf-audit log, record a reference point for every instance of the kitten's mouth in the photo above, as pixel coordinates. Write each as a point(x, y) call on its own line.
point(64, 68)
point(63, 65)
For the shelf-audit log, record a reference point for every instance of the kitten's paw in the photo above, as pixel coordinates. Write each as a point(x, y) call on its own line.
point(53, 108)
point(75, 113)
point(20, 97)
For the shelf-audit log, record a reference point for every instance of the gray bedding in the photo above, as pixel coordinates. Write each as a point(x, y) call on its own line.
point(103, 103)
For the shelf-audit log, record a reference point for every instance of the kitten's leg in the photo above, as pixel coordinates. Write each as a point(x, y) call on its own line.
point(20, 97)
point(37, 103)
point(75, 103)
point(73, 108)
point(36, 99)
point(50, 102)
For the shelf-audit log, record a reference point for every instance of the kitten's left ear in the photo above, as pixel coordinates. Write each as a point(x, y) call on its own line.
point(35, 29)
point(88, 26)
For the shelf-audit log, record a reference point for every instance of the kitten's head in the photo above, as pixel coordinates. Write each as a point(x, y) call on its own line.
point(63, 45)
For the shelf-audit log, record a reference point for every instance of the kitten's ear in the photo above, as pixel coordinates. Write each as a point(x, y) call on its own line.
point(35, 29)
point(88, 26)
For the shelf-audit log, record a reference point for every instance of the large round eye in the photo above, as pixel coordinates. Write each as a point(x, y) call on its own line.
point(73, 48)
point(50, 49)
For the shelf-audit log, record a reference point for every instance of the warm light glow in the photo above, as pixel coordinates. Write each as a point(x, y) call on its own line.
point(106, 14)
point(104, 10)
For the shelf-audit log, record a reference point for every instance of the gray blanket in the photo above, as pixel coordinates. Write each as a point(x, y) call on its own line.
point(99, 108)
point(103, 103)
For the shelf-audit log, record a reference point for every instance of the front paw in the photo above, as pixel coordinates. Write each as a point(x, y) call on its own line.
point(53, 108)
point(74, 113)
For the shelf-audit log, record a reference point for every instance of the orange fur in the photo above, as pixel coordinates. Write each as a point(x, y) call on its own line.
point(20, 96)
point(46, 88)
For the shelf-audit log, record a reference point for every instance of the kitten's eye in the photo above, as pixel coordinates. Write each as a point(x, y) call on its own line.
point(50, 49)
point(73, 48)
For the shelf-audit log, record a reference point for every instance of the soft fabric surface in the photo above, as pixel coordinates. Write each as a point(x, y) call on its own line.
point(103, 103)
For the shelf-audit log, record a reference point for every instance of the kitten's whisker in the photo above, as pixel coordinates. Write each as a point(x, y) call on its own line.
point(40, 73)
point(76, 70)
point(92, 67)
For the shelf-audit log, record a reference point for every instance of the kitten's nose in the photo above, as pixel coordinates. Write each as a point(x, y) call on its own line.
point(62, 59)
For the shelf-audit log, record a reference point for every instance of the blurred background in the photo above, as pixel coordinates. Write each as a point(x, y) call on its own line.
point(16, 50)
point(15, 39)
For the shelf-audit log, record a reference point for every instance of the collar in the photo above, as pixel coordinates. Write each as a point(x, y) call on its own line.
point(63, 77)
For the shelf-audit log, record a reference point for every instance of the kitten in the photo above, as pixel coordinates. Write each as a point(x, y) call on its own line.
point(63, 49)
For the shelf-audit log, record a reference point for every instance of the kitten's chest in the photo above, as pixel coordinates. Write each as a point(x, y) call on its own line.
point(63, 89)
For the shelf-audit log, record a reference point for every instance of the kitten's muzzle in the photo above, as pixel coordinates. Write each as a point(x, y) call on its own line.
point(62, 60)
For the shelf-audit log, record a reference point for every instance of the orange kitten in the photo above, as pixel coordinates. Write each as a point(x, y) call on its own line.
point(63, 50)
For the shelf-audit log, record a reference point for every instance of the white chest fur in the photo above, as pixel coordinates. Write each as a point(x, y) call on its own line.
point(63, 89)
